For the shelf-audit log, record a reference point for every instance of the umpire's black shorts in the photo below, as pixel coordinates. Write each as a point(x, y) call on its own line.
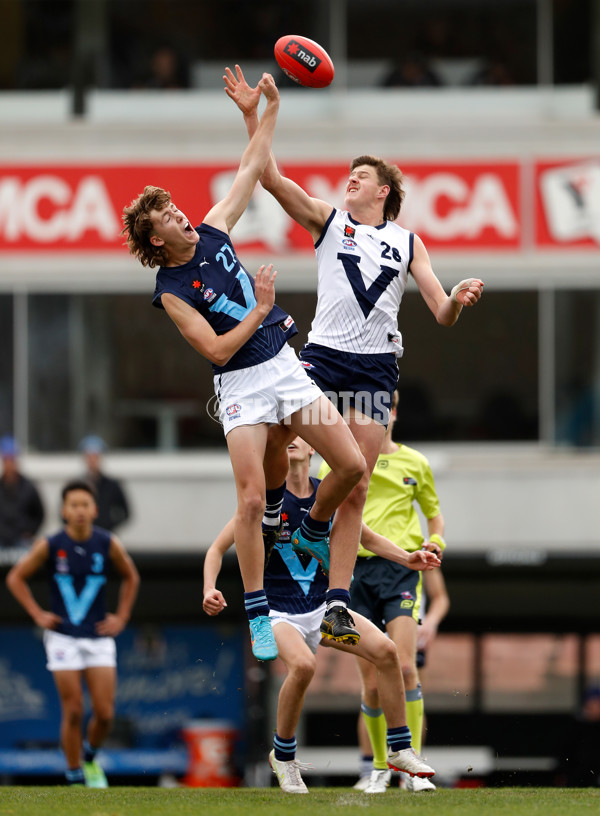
point(383, 590)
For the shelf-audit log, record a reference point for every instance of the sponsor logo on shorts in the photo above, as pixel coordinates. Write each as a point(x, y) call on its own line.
point(209, 295)
point(233, 411)
point(349, 243)
point(405, 594)
point(407, 604)
point(383, 463)
point(306, 365)
point(408, 480)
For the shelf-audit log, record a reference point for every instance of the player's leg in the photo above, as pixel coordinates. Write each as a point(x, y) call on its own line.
point(300, 663)
point(101, 682)
point(403, 631)
point(68, 685)
point(371, 712)
point(323, 428)
point(375, 647)
point(246, 445)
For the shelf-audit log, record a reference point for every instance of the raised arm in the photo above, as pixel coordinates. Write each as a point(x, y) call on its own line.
point(310, 213)
point(228, 211)
point(220, 348)
point(17, 579)
point(445, 308)
point(113, 624)
point(214, 601)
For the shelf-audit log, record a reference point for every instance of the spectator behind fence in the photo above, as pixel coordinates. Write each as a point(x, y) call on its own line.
point(113, 508)
point(21, 508)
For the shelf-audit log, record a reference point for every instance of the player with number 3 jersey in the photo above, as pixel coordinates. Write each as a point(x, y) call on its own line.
point(78, 633)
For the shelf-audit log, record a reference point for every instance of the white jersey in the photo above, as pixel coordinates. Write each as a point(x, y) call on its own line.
point(362, 275)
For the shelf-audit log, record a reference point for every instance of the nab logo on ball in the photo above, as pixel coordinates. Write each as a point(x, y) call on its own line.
point(304, 61)
point(303, 55)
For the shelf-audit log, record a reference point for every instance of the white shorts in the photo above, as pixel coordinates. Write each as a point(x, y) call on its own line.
point(265, 393)
point(66, 653)
point(308, 624)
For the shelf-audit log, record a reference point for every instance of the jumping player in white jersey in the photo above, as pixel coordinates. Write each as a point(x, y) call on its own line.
point(232, 320)
point(364, 260)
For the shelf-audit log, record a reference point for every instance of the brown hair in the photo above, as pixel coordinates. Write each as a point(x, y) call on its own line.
point(388, 174)
point(139, 227)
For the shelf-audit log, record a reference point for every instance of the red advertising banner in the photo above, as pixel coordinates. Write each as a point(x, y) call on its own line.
point(568, 203)
point(60, 208)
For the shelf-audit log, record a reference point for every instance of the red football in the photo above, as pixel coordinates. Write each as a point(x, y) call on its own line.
point(304, 61)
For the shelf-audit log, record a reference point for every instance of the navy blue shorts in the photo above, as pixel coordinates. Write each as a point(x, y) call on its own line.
point(383, 590)
point(365, 382)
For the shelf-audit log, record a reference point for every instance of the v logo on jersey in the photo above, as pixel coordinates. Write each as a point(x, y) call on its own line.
point(367, 298)
point(226, 306)
point(304, 576)
point(78, 606)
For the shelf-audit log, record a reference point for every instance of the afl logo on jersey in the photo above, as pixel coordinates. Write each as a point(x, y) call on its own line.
point(209, 294)
point(349, 243)
point(233, 410)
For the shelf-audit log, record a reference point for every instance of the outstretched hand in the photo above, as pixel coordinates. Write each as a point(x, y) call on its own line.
point(236, 88)
point(423, 560)
point(269, 88)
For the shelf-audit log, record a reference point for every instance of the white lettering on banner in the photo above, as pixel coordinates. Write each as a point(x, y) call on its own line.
point(485, 206)
point(87, 208)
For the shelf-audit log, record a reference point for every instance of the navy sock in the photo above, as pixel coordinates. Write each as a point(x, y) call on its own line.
point(337, 597)
point(398, 738)
point(285, 749)
point(89, 753)
point(256, 604)
point(313, 530)
point(74, 776)
point(273, 506)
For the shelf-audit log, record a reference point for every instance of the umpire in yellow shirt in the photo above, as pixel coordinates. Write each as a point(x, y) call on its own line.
point(389, 594)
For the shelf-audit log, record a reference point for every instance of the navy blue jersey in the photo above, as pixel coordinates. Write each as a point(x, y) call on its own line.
point(216, 284)
point(294, 582)
point(78, 572)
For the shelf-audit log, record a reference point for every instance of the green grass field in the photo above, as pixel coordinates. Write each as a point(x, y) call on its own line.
point(40, 801)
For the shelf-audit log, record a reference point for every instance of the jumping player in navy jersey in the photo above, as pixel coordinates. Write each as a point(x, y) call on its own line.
point(232, 320)
point(79, 634)
point(296, 587)
point(363, 263)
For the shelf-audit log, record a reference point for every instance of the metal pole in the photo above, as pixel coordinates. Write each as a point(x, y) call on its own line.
point(595, 46)
point(545, 43)
point(338, 42)
point(21, 367)
point(547, 367)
